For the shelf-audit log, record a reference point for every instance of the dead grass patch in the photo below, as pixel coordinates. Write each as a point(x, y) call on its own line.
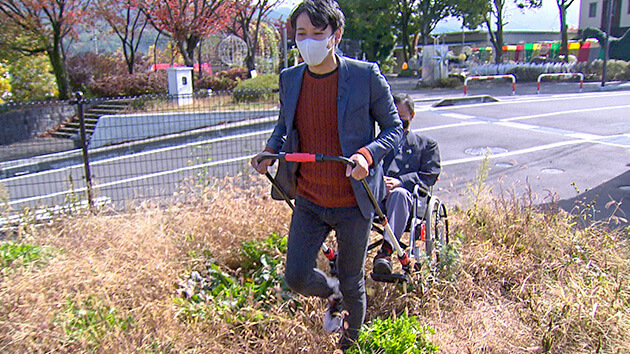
point(525, 281)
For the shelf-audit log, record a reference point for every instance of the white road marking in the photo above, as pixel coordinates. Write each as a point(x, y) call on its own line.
point(512, 153)
point(578, 137)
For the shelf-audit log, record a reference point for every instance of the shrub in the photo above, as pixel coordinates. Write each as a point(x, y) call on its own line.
point(234, 74)
point(31, 78)
point(130, 85)
point(407, 73)
point(87, 67)
point(450, 82)
point(84, 68)
point(617, 70)
point(261, 87)
point(215, 83)
point(222, 80)
point(527, 73)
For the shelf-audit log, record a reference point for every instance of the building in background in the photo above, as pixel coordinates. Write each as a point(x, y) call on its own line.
point(593, 13)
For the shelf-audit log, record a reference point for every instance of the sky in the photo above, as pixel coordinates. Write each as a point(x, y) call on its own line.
point(544, 19)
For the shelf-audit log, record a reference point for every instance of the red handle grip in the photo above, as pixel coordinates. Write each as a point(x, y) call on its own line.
point(300, 157)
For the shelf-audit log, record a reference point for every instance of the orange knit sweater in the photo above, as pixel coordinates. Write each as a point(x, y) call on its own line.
point(323, 183)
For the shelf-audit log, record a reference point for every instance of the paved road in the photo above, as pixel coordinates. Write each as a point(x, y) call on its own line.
point(573, 148)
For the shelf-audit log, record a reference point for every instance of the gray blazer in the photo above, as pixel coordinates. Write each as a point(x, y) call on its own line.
point(364, 98)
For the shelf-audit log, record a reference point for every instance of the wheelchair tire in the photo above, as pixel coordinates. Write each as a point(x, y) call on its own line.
point(436, 229)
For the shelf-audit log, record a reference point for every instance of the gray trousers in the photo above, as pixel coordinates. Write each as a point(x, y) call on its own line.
point(310, 225)
point(397, 208)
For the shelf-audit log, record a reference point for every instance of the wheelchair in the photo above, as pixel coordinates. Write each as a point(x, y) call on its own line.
point(426, 232)
point(427, 227)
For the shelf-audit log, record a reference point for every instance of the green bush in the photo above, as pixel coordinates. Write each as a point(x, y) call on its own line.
point(262, 87)
point(527, 73)
point(222, 80)
point(450, 82)
point(401, 335)
point(407, 73)
point(615, 70)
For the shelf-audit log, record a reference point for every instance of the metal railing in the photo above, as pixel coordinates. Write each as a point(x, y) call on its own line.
point(490, 77)
point(560, 75)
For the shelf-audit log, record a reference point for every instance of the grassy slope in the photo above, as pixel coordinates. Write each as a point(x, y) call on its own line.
point(518, 281)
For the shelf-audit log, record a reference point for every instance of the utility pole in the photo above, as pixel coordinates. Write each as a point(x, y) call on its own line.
point(607, 43)
point(285, 50)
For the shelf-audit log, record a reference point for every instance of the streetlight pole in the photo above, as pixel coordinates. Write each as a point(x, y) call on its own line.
point(607, 43)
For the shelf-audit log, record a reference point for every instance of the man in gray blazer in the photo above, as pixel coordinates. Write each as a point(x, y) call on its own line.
point(415, 160)
point(330, 105)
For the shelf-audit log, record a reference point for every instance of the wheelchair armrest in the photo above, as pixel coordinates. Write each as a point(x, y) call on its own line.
point(419, 190)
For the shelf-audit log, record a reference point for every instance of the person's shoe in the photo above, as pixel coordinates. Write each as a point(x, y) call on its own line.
point(333, 318)
point(382, 263)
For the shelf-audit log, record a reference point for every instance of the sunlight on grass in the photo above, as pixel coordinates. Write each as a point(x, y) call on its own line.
point(206, 275)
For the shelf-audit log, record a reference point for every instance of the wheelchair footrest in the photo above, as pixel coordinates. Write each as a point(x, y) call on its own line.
point(391, 278)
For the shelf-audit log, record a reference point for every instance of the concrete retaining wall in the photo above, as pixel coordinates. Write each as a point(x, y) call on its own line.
point(117, 129)
point(29, 122)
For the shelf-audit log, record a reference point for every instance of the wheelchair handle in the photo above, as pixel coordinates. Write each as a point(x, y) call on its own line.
point(306, 157)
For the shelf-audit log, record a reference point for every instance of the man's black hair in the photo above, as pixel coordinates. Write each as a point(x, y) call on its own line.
point(321, 13)
point(406, 100)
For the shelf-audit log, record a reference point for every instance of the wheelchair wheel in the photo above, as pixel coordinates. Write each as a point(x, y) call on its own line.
point(436, 230)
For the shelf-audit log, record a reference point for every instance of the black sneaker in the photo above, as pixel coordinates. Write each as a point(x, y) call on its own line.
point(382, 263)
point(333, 319)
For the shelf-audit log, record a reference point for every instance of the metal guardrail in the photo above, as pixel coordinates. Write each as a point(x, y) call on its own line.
point(490, 77)
point(562, 76)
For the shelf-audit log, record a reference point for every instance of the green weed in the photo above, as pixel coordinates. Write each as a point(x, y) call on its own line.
point(14, 254)
point(255, 250)
point(395, 336)
point(259, 286)
point(91, 321)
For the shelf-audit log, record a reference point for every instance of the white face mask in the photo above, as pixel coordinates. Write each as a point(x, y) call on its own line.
point(313, 51)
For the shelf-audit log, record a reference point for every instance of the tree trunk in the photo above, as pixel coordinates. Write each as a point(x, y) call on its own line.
point(187, 48)
point(250, 59)
point(58, 63)
point(564, 50)
point(129, 58)
point(496, 37)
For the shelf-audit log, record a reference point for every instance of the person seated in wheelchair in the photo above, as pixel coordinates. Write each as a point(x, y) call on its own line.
point(415, 160)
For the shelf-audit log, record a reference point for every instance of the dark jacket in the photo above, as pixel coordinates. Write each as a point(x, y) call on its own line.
point(417, 160)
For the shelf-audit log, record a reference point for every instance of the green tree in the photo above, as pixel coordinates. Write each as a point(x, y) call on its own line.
point(406, 26)
point(370, 21)
point(428, 14)
point(491, 13)
point(5, 83)
point(32, 78)
point(46, 24)
point(247, 22)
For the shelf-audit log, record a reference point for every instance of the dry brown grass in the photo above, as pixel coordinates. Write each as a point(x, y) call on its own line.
point(524, 281)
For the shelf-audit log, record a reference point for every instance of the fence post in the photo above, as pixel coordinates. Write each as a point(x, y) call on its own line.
point(84, 150)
